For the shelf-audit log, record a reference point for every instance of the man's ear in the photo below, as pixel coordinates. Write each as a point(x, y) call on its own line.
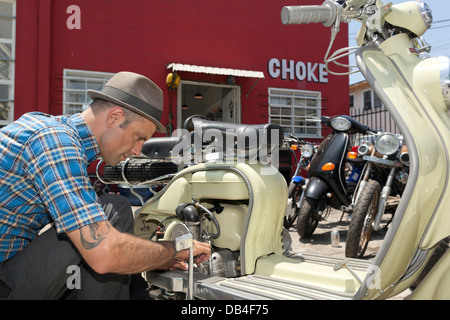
point(114, 116)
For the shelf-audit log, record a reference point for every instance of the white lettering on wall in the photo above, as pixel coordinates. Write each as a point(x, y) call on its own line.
point(291, 70)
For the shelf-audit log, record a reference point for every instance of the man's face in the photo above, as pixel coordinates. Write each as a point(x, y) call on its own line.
point(118, 143)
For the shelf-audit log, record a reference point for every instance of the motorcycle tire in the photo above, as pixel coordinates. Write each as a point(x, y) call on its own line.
point(294, 193)
point(136, 172)
point(306, 222)
point(361, 225)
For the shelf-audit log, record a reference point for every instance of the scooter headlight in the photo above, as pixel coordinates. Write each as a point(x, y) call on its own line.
point(340, 124)
point(307, 150)
point(426, 13)
point(444, 63)
point(387, 144)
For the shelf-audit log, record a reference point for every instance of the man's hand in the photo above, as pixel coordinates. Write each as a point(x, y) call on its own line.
point(107, 250)
point(202, 252)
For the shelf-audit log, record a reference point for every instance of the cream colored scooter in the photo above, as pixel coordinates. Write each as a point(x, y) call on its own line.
point(238, 205)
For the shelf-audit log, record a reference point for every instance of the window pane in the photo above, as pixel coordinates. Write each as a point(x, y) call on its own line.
point(77, 97)
point(312, 113)
point(286, 111)
point(300, 102)
point(6, 8)
point(275, 110)
point(5, 109)
point(5, 102)
point(5, 27)
point(96, 85)
point(299, 112)
point(5, 51)
point(275, 121)
point(311, 102)
point(367, 96)
point(274, 100)
point(77, 84)
point(376, 102)
point(72, 108)
point(6, 70)
point(286, 101)
point(301, 122)
point(285, 122)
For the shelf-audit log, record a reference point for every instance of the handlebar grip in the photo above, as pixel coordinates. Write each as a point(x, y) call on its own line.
point(325, 14)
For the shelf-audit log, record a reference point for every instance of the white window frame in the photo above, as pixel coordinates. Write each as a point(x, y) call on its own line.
point(292, 119)
point(88, 80)
point(10, 82)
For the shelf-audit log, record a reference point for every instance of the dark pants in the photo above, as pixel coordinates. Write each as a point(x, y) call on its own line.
point(50, 264)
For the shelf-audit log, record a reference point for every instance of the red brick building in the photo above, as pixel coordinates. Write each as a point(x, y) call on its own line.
point(259, 69)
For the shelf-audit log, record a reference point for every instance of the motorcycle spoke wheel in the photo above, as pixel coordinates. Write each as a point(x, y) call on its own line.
point(361, 225)
point(294, 195)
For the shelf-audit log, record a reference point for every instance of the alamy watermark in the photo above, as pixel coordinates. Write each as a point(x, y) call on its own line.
point(228, 146)
point(74, 20)
point(74, 279)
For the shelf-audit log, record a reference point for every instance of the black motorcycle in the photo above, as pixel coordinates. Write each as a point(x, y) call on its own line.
point(326, 184)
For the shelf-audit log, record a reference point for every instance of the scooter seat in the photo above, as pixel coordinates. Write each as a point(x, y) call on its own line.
point(243, 136)
point(160, 147)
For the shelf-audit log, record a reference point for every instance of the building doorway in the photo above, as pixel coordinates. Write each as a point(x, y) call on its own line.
point(217, 102)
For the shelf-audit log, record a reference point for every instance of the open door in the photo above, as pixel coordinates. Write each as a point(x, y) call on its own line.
point(217, 102)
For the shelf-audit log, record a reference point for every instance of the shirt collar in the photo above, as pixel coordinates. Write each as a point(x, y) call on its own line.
point(87, 137)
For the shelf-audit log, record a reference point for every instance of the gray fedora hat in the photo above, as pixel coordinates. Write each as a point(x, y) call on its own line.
point(134, 92)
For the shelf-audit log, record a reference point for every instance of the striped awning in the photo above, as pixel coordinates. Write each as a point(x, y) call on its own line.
point(215, 70)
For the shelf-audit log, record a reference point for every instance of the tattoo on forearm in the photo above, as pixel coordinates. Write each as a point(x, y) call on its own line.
point(93, 234)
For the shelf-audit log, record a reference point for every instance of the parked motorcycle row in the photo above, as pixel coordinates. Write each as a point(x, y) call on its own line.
point(225, 190)
point(344, 176)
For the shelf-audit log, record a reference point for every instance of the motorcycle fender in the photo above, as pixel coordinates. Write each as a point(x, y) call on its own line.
point(316, 188)
point(298, 179)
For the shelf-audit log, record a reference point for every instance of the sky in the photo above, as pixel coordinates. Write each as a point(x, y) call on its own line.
point(438, 36)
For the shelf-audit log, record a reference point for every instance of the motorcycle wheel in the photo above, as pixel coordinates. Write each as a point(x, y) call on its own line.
point(295, 191)
point(306, 222)
point(361, 225)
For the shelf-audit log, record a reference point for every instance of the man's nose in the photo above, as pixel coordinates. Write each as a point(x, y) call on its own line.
point(136, 150)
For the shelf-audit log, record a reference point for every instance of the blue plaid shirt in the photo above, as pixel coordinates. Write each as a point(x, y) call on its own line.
point(43, 178)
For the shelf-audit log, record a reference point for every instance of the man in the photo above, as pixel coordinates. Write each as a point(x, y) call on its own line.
point(43, 174)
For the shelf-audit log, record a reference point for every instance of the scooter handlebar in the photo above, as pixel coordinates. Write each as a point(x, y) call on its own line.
point(325, 14)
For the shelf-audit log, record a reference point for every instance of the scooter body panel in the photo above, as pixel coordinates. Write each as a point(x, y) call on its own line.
point(421, 219)
point(260, 186)
point(332, 150)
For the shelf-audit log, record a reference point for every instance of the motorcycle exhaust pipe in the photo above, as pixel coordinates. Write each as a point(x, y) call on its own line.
point(404, 158)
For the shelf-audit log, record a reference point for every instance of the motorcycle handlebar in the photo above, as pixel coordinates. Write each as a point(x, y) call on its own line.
point(325, 14)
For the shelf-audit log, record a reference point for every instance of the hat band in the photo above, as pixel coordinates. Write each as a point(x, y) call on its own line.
point(133, 101)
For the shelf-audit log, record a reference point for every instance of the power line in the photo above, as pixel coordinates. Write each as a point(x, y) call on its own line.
point(440, 21)
point(434, 28)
